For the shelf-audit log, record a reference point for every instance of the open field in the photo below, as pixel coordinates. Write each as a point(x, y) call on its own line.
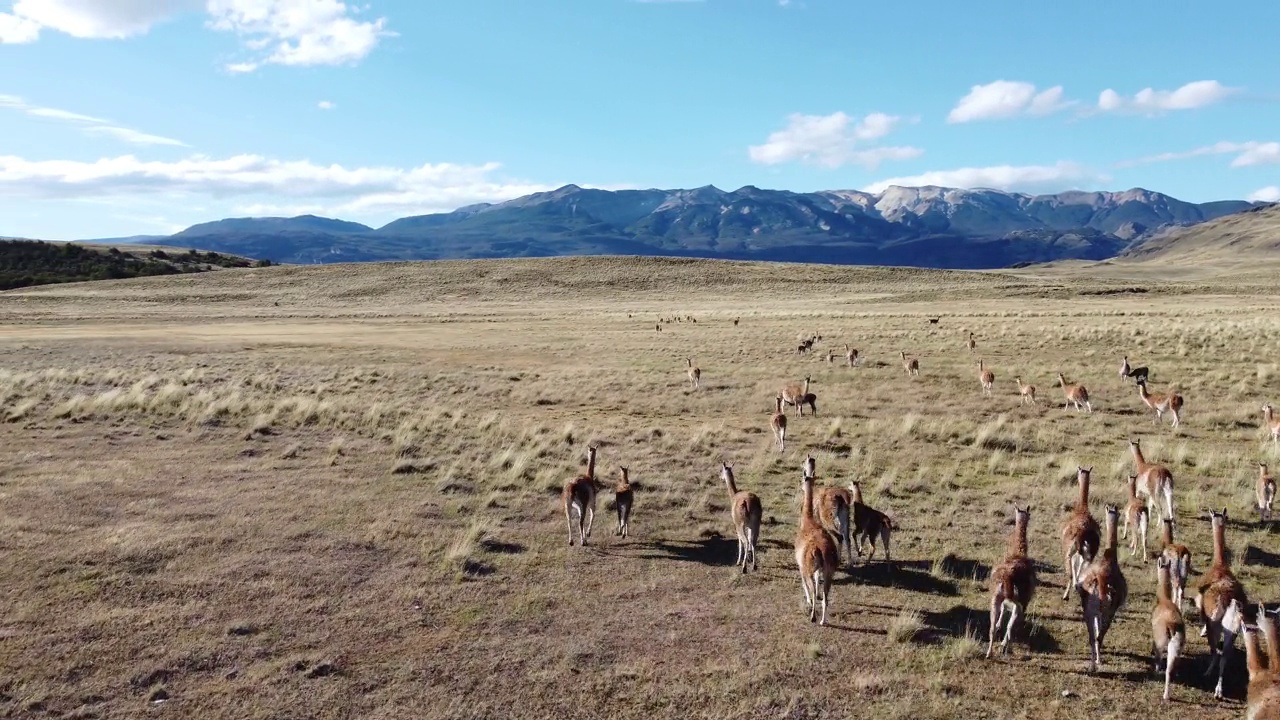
point(333, 492)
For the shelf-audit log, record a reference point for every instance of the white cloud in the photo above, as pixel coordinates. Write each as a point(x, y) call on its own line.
point(1006, 99)
point(280, 32)
point(1247, 153)
point(17, 30)
point(831, 141)
point(1198, 94)
point(1271, 193)
point(337, 190)
point(325, 105)
point(89, 124)
point(297, 32)
point(97, 18)
point(1002, 177)
point(1258, 154)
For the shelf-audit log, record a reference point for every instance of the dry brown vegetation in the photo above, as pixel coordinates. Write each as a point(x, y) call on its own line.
point(335, 491)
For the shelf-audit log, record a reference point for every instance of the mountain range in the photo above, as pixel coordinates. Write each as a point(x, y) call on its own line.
point(914, 226)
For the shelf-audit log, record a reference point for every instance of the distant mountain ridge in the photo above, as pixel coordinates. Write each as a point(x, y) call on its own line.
point(918, 226)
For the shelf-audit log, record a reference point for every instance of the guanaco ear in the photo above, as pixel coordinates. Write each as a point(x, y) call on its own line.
point(1089, 469)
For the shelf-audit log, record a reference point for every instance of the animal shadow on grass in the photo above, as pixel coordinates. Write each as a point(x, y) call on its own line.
point(899, 575)
point(1254, 555)
point(958, 567)
point(716, 550)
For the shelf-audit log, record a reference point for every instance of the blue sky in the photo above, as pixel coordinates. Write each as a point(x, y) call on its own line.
point(121, 117)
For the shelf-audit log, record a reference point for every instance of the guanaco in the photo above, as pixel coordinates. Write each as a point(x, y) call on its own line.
point(986, 378)
point(1266, 492)
point(910, 364)
point(1027, 392)
point(1269, 416)
point(695, 373)
point(1076, 395)
point(1179, 558)
point(1168, 630)
point(746, 511)
point(1136, 513)
point(623, 496)
point(1103, 591)
point(1161, 403)
point(816, 556)
point(850, 355)
point(1013, 582)
point(799, 396)
point(1262, 698)
point(579, 497)
point(833, 505)
point(1154, 480)
point(831, 356)
point(972, 343)
point(1138, 374)
point(869, 524)
point(1214, 593)
point(1081, 535)
point(778, 423)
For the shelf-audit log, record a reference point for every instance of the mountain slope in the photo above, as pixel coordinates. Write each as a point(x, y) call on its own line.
point(1251, 235)
point(923, 227)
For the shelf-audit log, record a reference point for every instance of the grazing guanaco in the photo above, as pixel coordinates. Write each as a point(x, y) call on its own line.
point(799, 396)
point(746, 511)
point(579, 496)
point(623, 496)
point(1027, 392)
point(1136, 513)
point(1214, 592)
point(1168, 630)
point(1154, 480)
point(986, 378)
point(779, 424)
point(910, 364)
point(816, 555)
point(1013, 582)
point(850, 355)
point(1269, 416)
point(695, 373)
point(1179, 558)
point(1076, 394)
point(1103, 591)
point(1262, 698)
point(1170, 402)
point(1081, 535)
point(973, 344)
point(1266, 493)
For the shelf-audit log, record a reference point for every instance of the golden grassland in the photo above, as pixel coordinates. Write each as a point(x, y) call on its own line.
point(334, 491)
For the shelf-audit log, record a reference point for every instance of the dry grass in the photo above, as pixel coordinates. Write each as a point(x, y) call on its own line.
point(348, 505)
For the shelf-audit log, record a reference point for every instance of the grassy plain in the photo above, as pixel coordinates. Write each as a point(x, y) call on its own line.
point(333, 491)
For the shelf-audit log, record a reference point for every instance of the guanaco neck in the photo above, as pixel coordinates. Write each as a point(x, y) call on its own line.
point(728, 481)
point(591, 463)
point(1167, 532)
point(806, 511)
point(777, 404)
point(624, 481)
point(1219, 543)
point(1164, 592)
point(1111, 529)
point(1133, 487)
point(1062, 380)
point(1138, 459)
point(806, 386)
point(1253, 656)
point(1083, 501)
point(1020, 535)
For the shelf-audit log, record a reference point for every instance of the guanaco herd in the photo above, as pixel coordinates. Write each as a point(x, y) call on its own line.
point(836, 519)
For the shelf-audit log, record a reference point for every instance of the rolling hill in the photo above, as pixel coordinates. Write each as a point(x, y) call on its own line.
point(1248, 236)
point(922, 227)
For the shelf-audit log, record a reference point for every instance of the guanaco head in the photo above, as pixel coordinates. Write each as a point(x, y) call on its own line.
point(1020, 516)
point(1133, 485)
point(726, 471)
point(1082, 473)
point(810, 468)
point(1266, 409)
point(1062, 380)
